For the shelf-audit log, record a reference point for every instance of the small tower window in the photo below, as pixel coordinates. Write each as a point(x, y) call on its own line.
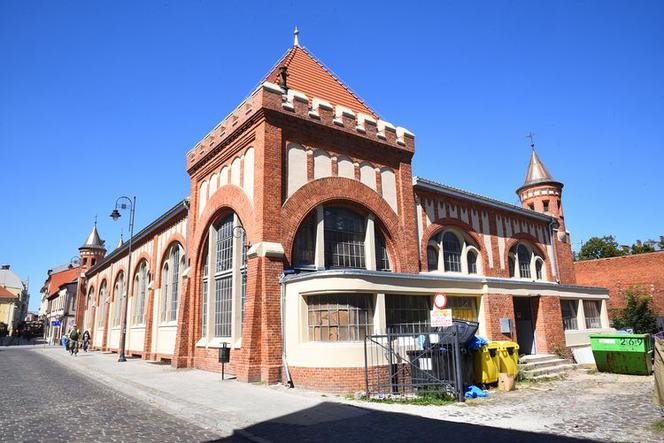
point(546, 205)
point(531, 206)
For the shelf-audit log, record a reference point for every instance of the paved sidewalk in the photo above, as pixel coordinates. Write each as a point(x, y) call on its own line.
point(604, 407)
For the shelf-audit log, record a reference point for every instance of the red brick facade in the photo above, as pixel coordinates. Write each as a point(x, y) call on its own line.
point(618, 274)
point(225, 181)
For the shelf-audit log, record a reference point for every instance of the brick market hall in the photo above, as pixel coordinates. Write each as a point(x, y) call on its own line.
point(306, 230)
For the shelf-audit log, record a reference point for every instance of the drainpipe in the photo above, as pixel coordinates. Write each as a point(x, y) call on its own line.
point(284, 361)
point(553, 246)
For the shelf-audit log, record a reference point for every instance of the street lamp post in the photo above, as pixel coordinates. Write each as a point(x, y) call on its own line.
point(122, 203)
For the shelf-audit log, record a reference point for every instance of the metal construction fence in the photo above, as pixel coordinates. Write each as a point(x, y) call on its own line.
point(408, 363)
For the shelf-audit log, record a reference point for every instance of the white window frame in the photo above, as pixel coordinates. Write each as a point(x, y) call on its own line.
point(168, 314)
point(534, 257)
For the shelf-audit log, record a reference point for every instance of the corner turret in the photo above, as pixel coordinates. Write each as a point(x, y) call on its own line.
point(92, 250)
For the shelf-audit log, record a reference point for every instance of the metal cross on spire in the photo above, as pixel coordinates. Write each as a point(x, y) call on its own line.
point(296, 41)
point(95, 219)
point(531, 137)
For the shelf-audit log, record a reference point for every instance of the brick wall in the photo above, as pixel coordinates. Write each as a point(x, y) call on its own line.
point(618, 274)
point(497, 306)
point(548, 321)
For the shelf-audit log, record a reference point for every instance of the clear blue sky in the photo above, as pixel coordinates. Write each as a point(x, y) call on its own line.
point(99, 99)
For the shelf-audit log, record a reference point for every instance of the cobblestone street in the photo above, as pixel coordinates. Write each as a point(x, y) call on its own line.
point(57, 398)
point(46, 402)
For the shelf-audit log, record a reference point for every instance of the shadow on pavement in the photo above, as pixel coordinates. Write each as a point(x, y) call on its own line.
point(338, 422)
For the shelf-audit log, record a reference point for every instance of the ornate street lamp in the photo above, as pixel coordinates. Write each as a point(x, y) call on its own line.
point(123, 203)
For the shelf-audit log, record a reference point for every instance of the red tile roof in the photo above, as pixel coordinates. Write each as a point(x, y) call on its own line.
point(308, 75)
point(4, 293)
point(58, 279)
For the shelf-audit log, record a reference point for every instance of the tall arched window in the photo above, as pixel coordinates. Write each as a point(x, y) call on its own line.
point(103, 304)
point(170, 281)
point(140, 289)
point(471, 258)
point(349, 240)
point(118, 295)
point(164, 291)
point(523, 256)
point(451, 252)
point(204, 294)
point(432, 258)
point(539, 263)
point(89, 308)
point(224, 280)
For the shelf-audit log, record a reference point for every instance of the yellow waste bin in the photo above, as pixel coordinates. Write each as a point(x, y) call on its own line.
point(508, 357)
point(486, 364)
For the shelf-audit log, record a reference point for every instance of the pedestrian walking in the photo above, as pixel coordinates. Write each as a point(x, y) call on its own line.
point(86, 340)
point(74, 337)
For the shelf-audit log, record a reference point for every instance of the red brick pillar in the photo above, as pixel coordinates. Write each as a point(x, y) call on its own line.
point(548, 321)
point(497, 306)
point(247, 366)
point(271, 344)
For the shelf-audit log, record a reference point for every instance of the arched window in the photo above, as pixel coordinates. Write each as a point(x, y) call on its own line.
point(344, 231)
point(118, 295)
point(538, 268)
point(164, 291)
point(382, 258)
point(89, 308)
point(103, 304)
point(524, 256)
point(432, 258)
point(304, 250)
point(204, 295)
point(511, 265)
point(140, 289)
point(471, 258)
point(224, 280)
point(170, 281)
point(349, 238)
point(451, 252)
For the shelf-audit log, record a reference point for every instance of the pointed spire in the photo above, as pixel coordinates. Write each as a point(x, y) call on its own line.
point(120, 242)
point(296, 41)
point(93, 241)
point(537, 172)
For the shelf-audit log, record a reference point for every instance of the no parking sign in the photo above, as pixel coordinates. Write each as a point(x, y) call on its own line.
point(440, 317)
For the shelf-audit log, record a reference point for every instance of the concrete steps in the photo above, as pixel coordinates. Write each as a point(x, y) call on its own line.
point(543, 366)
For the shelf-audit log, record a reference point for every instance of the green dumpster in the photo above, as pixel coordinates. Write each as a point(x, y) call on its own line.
point(622, 353)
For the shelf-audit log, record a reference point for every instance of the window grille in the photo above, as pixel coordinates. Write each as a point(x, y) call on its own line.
point(164, 292)
point(243, 272)
point(472, 262)
point(223, 303)
point(524, 261)
point(451, 252)
point(569, 310)
point(175, 284)
point(304, 251)
point(140, 287)
point(344, 238)
point(538, 269)
point(103, 300)
point(225, 245)
point(382, 259)
point(340, 317)
point(592, 310)
point(204, 297)
point(407, 313)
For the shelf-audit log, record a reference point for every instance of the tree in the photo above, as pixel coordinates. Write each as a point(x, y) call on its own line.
point(642, 248)
point(599, 247)
point(638, 314)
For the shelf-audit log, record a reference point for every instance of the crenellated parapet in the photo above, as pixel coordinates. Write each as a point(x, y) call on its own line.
point(269, 96)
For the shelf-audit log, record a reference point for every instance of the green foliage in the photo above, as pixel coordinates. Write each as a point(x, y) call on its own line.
point(638, 314)
point(642, 248)
point(423, 398)
point(599, 247)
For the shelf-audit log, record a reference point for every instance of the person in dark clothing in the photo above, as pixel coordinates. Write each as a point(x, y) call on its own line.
point(86, 340)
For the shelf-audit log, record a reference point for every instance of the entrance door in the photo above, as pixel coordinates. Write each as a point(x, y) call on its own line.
point(525, 332)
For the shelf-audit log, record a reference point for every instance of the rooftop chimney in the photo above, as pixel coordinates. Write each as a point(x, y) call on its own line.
point(5, 267)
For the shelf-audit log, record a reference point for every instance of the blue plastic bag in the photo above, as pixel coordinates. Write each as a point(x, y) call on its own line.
point(473, 391)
